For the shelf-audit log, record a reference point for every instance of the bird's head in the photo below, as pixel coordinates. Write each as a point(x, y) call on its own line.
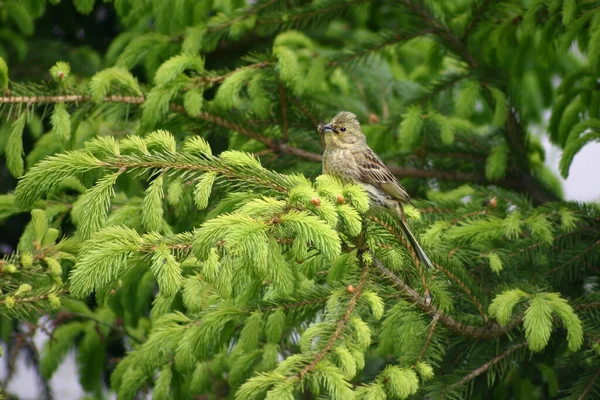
point(343, 131)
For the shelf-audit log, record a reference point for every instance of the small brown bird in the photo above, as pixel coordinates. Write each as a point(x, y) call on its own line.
point(348, 156)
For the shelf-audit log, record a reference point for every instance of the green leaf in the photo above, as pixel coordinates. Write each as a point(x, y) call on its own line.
point(310, 228)
point(54, 351)
point(193, 100)
point(410, 128)
point(163, 383)
point(192, 43)
point(152, 205)
point(203, 188)
point(14, 147)
point(287, 65)
point(251, 332)
point(372, 391)
point(594, 43)
point(538, 323)
point(568, 11)
point(255, 387)
point(116, 77)
point(166, 270)
point(91, 209)
point(174, 66)
point(40, 224)
point(467, 98)
point(495, 262)
point(445, 126)
point(21, 16)
point(569, 319)
point(495, 164)
point(572, 148)
point(400, 382)
point(275, 326)
point(61, 122)
point(46, 175)
point(503, 304)
point(501, 107)
point(375, 302)
point(139, 48)
point(3, 75)
point(568, 220)
point(198, 146)
point(84, 6)
point(425, 370)
point(228, 95)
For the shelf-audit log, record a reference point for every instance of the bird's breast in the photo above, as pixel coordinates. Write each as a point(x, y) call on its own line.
point(340, 163)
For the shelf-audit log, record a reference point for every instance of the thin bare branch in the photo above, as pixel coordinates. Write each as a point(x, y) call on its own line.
point(341, 324)
point(590, 385)
point(284, 112)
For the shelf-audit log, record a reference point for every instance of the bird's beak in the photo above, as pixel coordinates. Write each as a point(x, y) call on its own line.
point(326, 128)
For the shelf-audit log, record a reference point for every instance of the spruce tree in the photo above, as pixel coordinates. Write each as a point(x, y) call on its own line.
point(181, 237)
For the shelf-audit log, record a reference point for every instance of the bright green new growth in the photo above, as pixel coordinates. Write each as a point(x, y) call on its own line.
point(183, 242)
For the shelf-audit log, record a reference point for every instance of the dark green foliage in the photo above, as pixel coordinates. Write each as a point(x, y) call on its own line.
point(179, 236)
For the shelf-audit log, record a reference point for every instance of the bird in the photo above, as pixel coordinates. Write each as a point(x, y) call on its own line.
point(348, 157)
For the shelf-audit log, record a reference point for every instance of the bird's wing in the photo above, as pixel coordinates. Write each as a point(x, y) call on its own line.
point(372, 170)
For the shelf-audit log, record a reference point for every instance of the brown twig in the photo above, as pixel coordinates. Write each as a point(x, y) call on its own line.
point(590, 247)
point(284, 113)
point(466, 289)
point(428, 340)
point(71, 98)
point(439, 267)
point(588, 388)
point(341, 324)
point(476, 332)
point(475, 373)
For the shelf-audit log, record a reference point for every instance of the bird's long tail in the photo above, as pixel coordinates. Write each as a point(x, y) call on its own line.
point(415, 244)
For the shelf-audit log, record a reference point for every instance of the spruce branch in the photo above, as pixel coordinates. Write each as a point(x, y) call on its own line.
point(441, 268)
point(478, 11)
point(129, 164)
point(273, 145)
point(589, 386)
point(342, 323)
point(310, 13)
point(480, 370)
point(251, 11)
point(428, 340)
point(220, 121)
point(466, 289)
point(71, 98)
point(118, 328)
point(33, 299)
point(515, 133)
point(444, 83)
point(391, 40)
point(221, 78)
point(574, 258)
point(476, 332)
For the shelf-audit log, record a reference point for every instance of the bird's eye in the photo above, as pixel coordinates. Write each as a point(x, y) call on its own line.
point(343, 129)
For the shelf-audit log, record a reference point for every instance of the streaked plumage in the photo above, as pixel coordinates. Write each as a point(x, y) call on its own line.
point(348, 156)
